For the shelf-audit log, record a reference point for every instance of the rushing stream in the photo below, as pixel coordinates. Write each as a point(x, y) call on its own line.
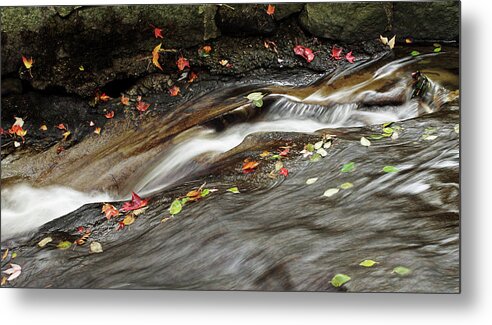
point(282, 234)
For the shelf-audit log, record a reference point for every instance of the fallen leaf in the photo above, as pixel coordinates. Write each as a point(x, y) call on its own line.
point(348, 167)
point(43, 242)
point(339, 279)
point(14, 271)
point(270, 10)
point(174, 91)
point(129, 219)
point(155, 56)
point(346, 186)
point(95, 247)
point(265, 154)
point(365, 142)
point(109, 115)
point(279, 165)
point(193, 76)
point(401, 270)
point(182, 63)
point(322, 152)
point(97, 130)
point(103, 97)
point(157, 32)
point(136, 203)
point(457, 128)
point(414, 53)
point(390, 169)
point(64, 245)
point(409, 40)
point(16, 144)
point(391, 42)
point(349, 57)
point(283, 171)
point(91, 123)
point(368, 263)
point(43, 127)
point(142, 106)
point(109, 211)
point(81, 68)
point(14, 255)
point(336, 53)
point(234, 190)
point(249, 166)
point(429, 137)
point(256, 98)
point(284, 152)
point(4, 280)
point(175, 207)
point(18, 121)
point(61, 126)
point(27, 62)
point(81, 241)
point(311, 180)
point(223, 62)
point(330, 192)
point(125, 100)
point(5, 254)
point(304, 52)
point(66, 134)
point(384, 40)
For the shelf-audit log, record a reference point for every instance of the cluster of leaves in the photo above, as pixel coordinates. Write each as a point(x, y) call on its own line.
point(279, 168)
point(336, 53)
point(388, 131)
point(192, 196)
point(13, 271)
point(16, 131)
point(317, 151)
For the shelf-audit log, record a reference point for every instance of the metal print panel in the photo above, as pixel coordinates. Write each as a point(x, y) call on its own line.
point(270, 147)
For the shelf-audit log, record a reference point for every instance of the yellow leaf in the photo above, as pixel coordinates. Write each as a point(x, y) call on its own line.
point(43, 127)
point(391, 42)
point(129, 219)
point(265, 153)
point(97, 131)
point(27, 62)
point(384, 40)
point(5, 254)
point(4, 280)
point(155, 56)
point(66, 134)
point(81, 68)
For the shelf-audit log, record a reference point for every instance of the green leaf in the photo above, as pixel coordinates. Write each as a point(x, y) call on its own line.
point(234, 190)
point(315, 157)
point(205, 192)
point(14, 255)
point(388, 130)
point(311, 180)
point(368, 263)
point(414, 53)
point(310, 147)
point(176, 207)
point(273, 157)
point(258, 103)
point(339, 279)
point(330, 192)
point(375, 136)
point(390, 169)
point(255, 96)
point(64, 245)
point(348, 167)
point(184, 200)
point(346, 186)
point(437, 49)
point(387, 124)
point(401, 270)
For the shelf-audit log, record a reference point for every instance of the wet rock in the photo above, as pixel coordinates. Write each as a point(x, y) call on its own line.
point(438, 20)
point(245, 19)
point(349, 22)
point(284, 10)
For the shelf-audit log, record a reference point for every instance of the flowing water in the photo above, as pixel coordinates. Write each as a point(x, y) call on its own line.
point(283, 234)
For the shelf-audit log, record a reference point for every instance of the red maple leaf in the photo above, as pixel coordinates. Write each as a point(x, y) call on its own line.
point(61, 126)
point(142, 106)
point(174, 91)
point(157, 31)
point(136, 203)
point(109, 115)
point(283, 171)
point(336, 53)
point(305, 52)
point(350, 58)
point(182, 63)
point(270, 10)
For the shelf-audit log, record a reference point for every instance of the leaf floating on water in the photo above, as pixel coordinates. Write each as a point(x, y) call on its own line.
point(368, 263)
point(401, 270)
point(346, 186)
point(339, 279)
point(348, 167)
point(365, 142)
point(64, 245)
point(311, 180)
point(175, 207)
point(43, 242)
point(14, 271)
point(390, 169)
point(330, 192)
point(256, 98)
point(95, 247)
point(234, 190)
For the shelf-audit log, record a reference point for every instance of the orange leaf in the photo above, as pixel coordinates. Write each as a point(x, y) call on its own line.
point(155, 56)
point(142, 106)
point(157, 32)
point(97, 130)
point(109, 115)
point(174, 91)
point(61, 126)
point(104, 97)
point(125, 100)
point(207, 49)
point(249, 166)
point(182, 63)
point(270, 10)
point(110, 211)
point(27, 63)
point(193, 77)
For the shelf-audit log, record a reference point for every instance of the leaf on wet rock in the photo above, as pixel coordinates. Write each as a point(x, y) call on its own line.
point(279, 165)
point(350, 57)
point(182, 63)
point(322, 152)
point(249, 166)
point(64, 245)
point(234, 190)
point(109, 211)
point(155, 56)
point(401, 270)
point(346, 186)
point(315, 157)
point(311, 180)
point(391, 42)
point(368, 263)
point(348, 167)
point(310, 147)
point(43, 242)
point(95, 247)
point(390, 169)
point(256, 98)
point(437, 47)
point(270, 10)
point(175, 207)
point(365, 142)
point(339, 279)
point(415, 53)
point(318, 145)
point(43, 127)
point(283, 171)
point(395, 136)
point(14, 271)
point(376, 136)
point(304, 52)
point(457, 128)
point(330, 192)
point(136, 203)
point(129, 219)
point(336, 53)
